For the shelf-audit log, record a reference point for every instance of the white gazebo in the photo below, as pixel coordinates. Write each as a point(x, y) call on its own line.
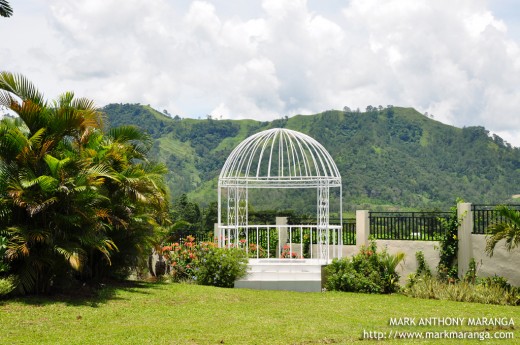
point(279, 158)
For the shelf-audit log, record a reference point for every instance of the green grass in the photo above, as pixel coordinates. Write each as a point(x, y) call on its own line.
point(191, 314)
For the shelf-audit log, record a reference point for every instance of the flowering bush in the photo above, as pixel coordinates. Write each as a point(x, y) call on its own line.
point(253, 249)
point(182, 259)
point(286, 253)
point(205, 263)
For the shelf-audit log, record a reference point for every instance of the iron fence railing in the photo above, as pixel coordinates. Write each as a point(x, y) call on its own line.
point(421, 226)
point(485, 215)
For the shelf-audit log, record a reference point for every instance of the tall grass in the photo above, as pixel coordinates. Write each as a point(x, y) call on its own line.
point(463, 291)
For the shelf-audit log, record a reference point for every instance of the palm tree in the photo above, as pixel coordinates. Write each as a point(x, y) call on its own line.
point(5, 9)
point(72, 198)
point(50, 207)
point(506, 228)
point(138, 201)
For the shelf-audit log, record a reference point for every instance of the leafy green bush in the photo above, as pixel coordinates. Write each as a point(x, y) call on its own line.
point(204, 263)
point(423, 269)
point(448, 247)
point(4, 267)
point(369, 271)
point(221, 266)
point(6, 286)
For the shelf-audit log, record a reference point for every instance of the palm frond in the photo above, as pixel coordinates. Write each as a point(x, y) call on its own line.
point(55, 164)
point(35, 208)
point(76, 257)
point(21, 87)
point(506, 227)
point(5, 9)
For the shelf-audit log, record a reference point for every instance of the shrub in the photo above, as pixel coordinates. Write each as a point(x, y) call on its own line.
point(221, 266)
point(204, 263)
point(256, 251)
point(448, 246)
point(286, 253)
point(423, 269)
point(183, 258)
point(4, 267)
point(7, 285)
point(369, 271)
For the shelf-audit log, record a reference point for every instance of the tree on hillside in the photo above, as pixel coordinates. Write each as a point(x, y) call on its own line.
point(5, 9)
point(74, 201)
point(189, 212)
point(507, 229)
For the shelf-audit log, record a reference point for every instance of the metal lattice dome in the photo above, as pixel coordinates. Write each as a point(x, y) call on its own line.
point(279, 158)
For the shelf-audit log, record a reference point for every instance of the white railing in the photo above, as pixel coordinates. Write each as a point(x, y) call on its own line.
point(284, 241)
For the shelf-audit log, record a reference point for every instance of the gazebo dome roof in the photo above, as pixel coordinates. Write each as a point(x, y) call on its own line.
point(279, 158)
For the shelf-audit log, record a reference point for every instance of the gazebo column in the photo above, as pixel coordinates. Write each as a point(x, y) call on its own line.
point(323, 221)
point(237, 212)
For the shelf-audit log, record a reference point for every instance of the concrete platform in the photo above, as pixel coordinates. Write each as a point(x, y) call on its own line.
point(304, 275)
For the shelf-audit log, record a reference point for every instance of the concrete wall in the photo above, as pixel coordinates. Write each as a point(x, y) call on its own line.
point(502, 263)
point(409, 248)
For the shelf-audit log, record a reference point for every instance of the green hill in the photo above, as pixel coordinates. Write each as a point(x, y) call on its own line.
point(388, 158)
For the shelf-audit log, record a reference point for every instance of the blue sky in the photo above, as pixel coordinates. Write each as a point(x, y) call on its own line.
point(458, 60)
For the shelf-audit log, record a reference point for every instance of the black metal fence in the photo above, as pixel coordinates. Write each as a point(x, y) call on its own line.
point(349, 231)
point(417, 226)
point(485, 215)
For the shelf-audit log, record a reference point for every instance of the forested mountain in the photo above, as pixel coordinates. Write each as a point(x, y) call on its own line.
point(388, 157)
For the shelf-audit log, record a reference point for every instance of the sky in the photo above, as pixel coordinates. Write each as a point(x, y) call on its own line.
point(456, 60)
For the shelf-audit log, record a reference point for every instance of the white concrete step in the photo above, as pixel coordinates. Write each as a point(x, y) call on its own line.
point(301, 286)
point(274, 275)
point(284, 268)
point(283, 274)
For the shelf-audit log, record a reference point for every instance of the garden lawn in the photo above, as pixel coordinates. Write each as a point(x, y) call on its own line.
point(147, 313)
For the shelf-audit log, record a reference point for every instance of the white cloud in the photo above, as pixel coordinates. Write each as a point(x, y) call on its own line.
point(456, 60)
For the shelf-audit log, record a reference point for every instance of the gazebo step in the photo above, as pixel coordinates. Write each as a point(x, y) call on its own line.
point(274, 275)
point(290, 285)
point(284, 268)
point(283, 274)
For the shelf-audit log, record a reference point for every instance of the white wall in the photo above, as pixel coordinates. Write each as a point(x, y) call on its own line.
point(502, 263)
point(409, 248)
